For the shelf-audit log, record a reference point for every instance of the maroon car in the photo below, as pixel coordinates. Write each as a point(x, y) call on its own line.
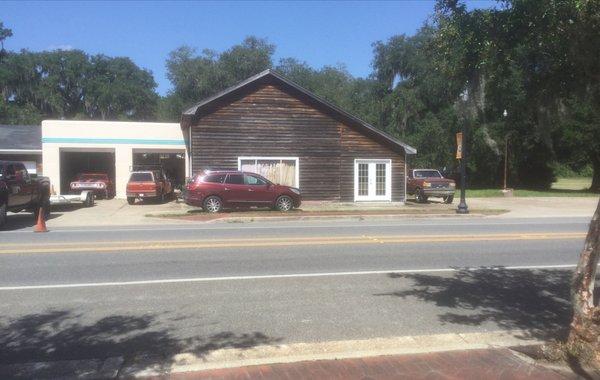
point(215, 190)
point(99, 183)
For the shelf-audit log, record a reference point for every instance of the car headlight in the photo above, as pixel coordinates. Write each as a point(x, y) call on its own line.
point(294, 190)
point(426, 184)
point(452, 184)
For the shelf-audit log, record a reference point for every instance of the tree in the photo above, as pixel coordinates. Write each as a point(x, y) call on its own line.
point(195, 77)
point(4, 34)
point(116, 88)
point(585, 326)
point(71, 84)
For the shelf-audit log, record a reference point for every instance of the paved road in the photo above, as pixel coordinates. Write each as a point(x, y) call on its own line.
point(76, 293)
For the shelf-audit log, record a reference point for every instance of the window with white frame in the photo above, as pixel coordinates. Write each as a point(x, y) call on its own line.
point(280, 170)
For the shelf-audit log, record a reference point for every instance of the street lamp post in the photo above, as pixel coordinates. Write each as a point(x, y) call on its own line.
point(505, 113)
point(462, 206)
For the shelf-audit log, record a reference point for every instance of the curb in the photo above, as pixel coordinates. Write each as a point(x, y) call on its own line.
point(142, 367)
point(248, 219)
point(335, 217)
point(297, 352)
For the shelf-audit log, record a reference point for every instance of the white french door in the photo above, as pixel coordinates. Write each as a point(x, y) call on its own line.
point(372, 180)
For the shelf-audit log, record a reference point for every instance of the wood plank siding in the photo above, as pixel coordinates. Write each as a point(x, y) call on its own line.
point(269, 120)
point(357, 146)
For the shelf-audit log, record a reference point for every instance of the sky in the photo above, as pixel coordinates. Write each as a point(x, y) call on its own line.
point(319, 33)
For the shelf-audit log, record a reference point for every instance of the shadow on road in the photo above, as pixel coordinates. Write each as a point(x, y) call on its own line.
point(24, 220)
point(535, 301)
point(61, 335)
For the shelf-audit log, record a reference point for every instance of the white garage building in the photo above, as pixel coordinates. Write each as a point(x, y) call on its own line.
point(71, 147)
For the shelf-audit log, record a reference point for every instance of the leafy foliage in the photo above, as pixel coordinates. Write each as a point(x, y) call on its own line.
point(72, 84)
point(538, 60)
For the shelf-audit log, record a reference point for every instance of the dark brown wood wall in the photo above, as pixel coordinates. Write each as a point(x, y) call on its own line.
point(271, 122)
point(355, 145)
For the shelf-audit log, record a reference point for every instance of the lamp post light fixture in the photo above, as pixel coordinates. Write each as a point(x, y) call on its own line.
point(462, 206)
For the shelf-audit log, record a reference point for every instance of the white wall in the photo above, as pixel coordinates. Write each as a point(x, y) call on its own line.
point(117, 136)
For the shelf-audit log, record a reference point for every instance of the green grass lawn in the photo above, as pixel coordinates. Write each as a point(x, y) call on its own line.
point(563, 187)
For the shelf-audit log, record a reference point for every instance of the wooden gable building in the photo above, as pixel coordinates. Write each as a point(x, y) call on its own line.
point(271, 126)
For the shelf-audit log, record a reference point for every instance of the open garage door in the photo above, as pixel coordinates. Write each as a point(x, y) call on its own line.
point(173, 163)
point(73, 163)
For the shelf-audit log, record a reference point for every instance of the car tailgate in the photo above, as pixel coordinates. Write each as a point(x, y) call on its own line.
point(140, 187)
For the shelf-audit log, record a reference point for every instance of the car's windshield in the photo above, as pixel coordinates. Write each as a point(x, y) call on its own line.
point(141, 177)
point(427, 174)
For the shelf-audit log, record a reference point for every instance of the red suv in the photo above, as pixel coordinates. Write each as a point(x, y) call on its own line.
point(215, 190)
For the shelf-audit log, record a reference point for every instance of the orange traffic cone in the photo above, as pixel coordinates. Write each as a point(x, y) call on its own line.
point(41, 222)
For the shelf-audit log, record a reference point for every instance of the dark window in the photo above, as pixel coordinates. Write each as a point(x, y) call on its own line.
point(235, 179)
point(214, 178)
point(252, 180)
point(141, 177)
point(10, 170)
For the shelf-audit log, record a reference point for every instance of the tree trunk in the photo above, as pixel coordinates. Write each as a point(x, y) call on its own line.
point(596, 176)
point(585, 327)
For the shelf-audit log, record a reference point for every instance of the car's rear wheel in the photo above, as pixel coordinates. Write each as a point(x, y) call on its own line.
point(449, 199)
point(131, 200)
point(420, 195)
point(213, 204)
point(284, 203)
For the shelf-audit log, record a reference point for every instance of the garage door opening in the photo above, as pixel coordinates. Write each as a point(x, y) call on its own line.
point(74, 163)
point(172, 163)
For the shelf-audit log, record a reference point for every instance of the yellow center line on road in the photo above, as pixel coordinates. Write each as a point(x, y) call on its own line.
point(274, 242)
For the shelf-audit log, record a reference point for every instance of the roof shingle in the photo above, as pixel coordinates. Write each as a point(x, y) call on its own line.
point(20, 137)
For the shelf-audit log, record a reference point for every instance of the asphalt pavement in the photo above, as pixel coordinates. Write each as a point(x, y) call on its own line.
point(101, 292)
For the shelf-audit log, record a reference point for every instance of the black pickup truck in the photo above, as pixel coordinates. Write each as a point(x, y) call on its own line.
point(21, 192)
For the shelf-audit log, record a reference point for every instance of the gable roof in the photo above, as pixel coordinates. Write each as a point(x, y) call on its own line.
point(20, 137)
point(208, 105)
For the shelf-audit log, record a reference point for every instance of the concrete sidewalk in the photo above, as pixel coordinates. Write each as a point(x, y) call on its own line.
point(442, 356)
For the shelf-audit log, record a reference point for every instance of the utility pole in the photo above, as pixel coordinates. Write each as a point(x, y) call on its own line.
point(505, 150)
point(505, 160)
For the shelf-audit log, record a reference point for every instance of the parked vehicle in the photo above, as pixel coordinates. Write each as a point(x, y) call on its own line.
point(215, 190)
point(21, 192)
point(148, 184)
point(99, 183)
point(425, 183)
